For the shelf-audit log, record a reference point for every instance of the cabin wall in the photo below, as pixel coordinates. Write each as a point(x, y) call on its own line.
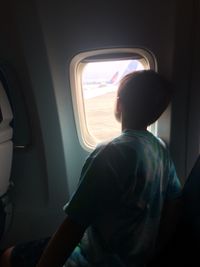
point(29, 193)
point(181, 78)
point(103, 25)
point(35, 165)
point(193, 133)
point(40, 39)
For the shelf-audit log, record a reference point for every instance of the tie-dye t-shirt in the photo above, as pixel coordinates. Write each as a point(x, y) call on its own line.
point(121, 192)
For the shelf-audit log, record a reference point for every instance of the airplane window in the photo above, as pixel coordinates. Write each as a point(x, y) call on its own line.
point(94, 80)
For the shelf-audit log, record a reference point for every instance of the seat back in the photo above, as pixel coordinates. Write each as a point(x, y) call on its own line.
point(6, 144)
point(184, 248)
point(191, 201)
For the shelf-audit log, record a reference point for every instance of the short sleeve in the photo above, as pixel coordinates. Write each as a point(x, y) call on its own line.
point(97, 190)
point(174, 185)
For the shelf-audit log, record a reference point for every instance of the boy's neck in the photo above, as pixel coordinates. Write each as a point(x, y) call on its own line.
point(134, 126)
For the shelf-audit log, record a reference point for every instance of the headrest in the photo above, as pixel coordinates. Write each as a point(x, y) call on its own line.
point(6, 116)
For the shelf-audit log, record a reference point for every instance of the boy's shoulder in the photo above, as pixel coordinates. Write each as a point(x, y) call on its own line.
point(115, 149)
point(129, 144)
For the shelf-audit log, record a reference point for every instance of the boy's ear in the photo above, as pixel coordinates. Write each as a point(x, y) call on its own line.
point(118, 109)
point(119, 105)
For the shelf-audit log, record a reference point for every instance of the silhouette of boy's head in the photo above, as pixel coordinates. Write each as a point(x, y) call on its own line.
point(142, 98)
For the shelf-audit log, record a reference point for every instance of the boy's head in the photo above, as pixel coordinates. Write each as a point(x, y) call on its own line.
point(142, 98)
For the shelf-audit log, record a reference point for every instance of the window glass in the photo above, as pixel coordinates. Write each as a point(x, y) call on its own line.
point(100, 81)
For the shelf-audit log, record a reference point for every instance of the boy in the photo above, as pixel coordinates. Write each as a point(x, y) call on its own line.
point(115, 213)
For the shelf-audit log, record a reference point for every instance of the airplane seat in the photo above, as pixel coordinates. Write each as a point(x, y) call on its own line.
point(183, 248)
point(191, 215)
point(6, 152)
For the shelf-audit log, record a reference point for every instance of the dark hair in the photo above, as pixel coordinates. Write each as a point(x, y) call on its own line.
point(146, 94)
